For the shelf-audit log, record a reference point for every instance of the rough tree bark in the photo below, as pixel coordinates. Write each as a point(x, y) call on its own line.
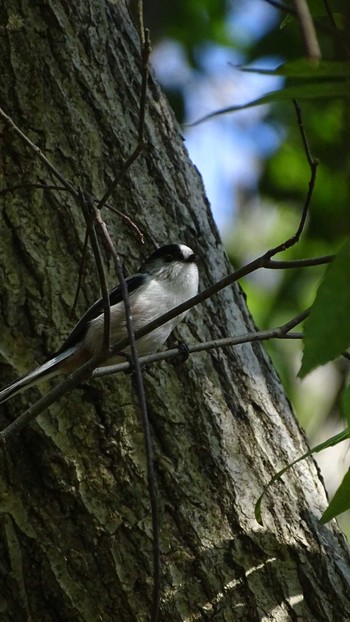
point(76, 541)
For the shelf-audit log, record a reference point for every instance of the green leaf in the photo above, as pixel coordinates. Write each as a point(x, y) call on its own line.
point(345, 402)
point(308, 90)
point(304, 68)
point(340, 502)
point(334, 440)
point(287, 20)
point(327, 329)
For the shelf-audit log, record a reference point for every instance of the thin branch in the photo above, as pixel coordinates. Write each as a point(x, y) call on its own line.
point(299, 263)
point(279, 332)
point(296, 237)
point(89, 215)
point(126, 218)
point(311, 161)
point(42, 186)
point(81, 272)
point(68, 186)
point(151, 479)
point(291, 336)
point(145, 53)
point(304, 18)
point(336, 30)
point(330, 14)
point(131, 159)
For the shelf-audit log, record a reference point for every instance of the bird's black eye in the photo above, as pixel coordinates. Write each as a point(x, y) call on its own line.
point(169, 258)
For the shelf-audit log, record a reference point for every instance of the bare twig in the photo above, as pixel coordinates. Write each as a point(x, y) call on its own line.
point(89, 215)
point(81, 271)
point(151, 480)
point(145, 52)
point(127, 219)
point(279, 332)
point(299, 263)
point(131, 159)
point(109, 243)
point(68, 186)
point(304, 18)
point(339, 34)
point(311, 161)
point(42, 186)
point(330, 14)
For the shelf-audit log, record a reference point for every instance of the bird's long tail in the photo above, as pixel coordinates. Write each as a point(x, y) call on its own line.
point(45, 371)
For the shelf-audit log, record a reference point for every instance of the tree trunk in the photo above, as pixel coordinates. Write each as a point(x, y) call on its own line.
point(76, 539)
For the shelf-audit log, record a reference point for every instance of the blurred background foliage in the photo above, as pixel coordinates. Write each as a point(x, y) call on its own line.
point(258, 180)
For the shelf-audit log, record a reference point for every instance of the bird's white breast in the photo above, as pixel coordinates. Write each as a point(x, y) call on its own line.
point(151, 300)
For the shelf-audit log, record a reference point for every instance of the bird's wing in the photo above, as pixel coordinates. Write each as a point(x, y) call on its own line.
point(115, 296)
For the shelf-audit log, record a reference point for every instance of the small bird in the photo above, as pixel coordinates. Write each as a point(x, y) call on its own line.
point(166, 279)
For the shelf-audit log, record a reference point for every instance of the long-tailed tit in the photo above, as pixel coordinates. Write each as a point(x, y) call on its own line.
point(166, 279)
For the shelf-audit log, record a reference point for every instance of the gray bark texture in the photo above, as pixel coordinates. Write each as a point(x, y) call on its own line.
point(75, 526)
